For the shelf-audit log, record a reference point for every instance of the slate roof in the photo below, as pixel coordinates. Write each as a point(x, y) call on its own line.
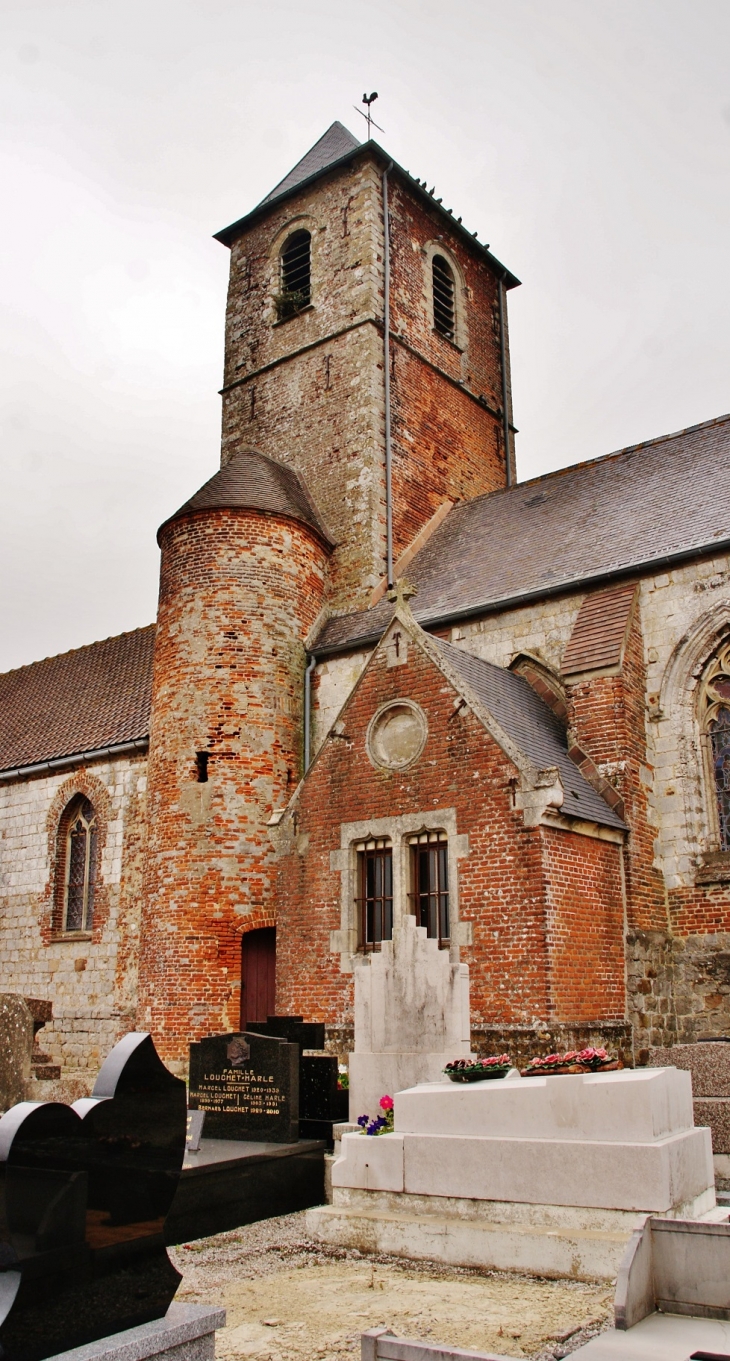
point(627, 512)
point(253, 481)
point(96, 696)
point(335, 143)
point(534, 729)
point(336, 147)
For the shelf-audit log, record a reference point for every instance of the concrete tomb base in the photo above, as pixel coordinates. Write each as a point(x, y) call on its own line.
point(548, 1174)
point(186, 1333)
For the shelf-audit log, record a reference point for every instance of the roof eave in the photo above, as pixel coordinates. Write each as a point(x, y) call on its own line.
point(511, 602)
point(227, 235)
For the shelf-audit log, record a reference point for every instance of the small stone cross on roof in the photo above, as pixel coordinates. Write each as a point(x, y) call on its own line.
point(402, 591)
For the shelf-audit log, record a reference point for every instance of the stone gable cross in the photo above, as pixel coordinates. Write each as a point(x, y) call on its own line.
point(401, 592)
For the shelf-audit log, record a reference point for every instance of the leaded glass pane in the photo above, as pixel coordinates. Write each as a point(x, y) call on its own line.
point(720, 740)
point(76, 876)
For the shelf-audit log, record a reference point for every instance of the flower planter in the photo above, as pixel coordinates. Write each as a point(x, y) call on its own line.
point(481, 1070)
point(476, 1074)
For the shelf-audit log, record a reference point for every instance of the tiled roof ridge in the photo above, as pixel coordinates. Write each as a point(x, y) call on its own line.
point(74, 651)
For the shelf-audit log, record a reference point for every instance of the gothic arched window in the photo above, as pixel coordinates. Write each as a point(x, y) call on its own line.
point(79, 850)
point(296, 275)
point(715, 720)
point(444, 297)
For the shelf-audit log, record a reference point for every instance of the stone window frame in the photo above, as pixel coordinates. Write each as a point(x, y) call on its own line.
point(397, 829)
point(75, 809)
point(461, 295)
point(300, 222)
point(81, 783)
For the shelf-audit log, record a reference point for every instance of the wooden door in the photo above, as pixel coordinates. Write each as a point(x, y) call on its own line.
point(258, 975)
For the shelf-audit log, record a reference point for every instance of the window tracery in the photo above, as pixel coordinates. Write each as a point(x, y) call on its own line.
point(715, 723)
point(79, 849)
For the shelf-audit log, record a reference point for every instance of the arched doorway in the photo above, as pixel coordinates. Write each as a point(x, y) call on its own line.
point(258, 975)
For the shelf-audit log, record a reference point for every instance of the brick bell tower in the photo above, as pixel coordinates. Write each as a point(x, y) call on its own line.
point(327, 469)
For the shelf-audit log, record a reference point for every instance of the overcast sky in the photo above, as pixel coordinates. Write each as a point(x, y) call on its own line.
point(587, 140)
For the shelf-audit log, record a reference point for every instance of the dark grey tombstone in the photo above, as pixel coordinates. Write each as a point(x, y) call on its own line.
point(248, 1086)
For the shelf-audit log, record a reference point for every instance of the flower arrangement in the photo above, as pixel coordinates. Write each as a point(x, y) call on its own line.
point(343, 1078)
point(382, 1124)
point(574, 1061)
point(478, 1070)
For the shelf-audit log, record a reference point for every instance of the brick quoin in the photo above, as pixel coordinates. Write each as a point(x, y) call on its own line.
point(239, 591)
point(545, 905)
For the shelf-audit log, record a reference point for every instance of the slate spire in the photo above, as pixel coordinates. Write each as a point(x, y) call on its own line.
point(335, 143)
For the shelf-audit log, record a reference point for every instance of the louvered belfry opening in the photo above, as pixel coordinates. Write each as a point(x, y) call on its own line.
point(443, 297)
point(296, 274)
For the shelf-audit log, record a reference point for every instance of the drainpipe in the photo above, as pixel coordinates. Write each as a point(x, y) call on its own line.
point(505, 406)
point(308, 710)
point(386, 358)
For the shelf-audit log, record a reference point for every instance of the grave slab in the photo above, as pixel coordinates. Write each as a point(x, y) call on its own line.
point(229, 1182)
point(550, 1174)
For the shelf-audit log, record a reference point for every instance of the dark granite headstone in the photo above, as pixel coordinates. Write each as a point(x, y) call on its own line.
point(84, 1193)
point(248, 1085)
point(307, 1034)
point(321, 1103)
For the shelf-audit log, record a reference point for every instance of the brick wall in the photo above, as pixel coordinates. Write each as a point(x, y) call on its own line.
point(525, 894)
point(90, 978)
point(239, 591)
point(607, 715)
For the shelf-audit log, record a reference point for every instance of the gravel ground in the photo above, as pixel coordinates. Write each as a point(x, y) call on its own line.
point(288, 1298)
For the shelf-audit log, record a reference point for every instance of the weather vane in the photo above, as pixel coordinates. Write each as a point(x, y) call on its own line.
point(368, 100)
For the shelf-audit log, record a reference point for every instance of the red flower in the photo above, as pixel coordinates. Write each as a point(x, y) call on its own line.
point(386, 1103)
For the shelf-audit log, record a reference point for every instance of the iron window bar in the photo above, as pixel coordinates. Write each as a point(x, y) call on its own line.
point(430, 878)
point(375, 900)
point(296, 276)
point(444, 311)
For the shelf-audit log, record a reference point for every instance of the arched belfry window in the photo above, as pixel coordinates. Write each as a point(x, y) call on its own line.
point(444, 297)
point(296, 275)
point(79, 850)
point(715, 720)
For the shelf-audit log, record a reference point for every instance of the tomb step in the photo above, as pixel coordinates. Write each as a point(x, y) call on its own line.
point(47, 1072)
point(544, 1249)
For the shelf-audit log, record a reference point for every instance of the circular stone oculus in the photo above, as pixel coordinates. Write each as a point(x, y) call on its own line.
point(397, 735)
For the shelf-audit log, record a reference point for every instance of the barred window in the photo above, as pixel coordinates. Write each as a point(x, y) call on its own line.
point(296, 275)
point(80, 851)
point(430, 880)
point(375, 901)
point(444, 305)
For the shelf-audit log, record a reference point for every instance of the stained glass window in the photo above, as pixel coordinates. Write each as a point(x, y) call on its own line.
point(714, 717)
point(719, 730)
point(81, 847)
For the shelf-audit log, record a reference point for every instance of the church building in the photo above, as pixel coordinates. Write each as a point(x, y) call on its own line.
point(387, 682)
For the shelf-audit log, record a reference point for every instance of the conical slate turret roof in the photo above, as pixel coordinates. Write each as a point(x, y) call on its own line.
point(253, 481)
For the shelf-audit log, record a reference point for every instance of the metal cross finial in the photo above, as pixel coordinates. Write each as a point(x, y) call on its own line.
point(402, 591)
point(368, 100)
